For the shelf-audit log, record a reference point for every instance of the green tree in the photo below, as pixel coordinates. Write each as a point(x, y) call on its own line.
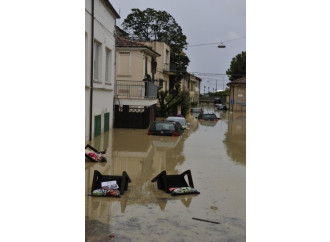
point(153, 25)
point(237, 67)
point(170, 100)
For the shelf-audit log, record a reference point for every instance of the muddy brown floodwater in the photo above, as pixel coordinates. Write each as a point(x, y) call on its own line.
point(215, 154)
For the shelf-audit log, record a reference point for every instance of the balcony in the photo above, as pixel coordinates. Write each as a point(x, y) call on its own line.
point(170, 68)
point(136, 90)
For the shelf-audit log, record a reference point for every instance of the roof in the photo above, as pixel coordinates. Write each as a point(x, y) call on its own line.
point(120, 32)
point(109, 5)
point(193, 76)
point(241, 80)
point(126, 43)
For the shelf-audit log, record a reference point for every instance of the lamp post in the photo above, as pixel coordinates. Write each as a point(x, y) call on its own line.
point(204, 90)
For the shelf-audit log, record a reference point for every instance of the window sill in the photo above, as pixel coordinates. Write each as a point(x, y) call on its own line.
point(97, 81)
point(108, 83)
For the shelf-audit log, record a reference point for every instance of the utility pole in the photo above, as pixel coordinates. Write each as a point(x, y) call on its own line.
point(216, 85)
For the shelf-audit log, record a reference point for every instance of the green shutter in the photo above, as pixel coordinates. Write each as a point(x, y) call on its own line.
point(106, 121)
point(97, 125)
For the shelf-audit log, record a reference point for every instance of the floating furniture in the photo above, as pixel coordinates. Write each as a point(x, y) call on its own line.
point(122, 181)
point(89, 147)
point(165, 182)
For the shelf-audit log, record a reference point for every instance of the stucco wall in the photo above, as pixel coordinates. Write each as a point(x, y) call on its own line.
point(238, 94)
point(161, 48)
point(103, 94)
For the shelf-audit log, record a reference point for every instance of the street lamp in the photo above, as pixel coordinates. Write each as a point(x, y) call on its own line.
point(221, 45)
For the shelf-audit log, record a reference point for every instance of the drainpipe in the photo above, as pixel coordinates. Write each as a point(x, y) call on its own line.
point(232, 109)
point(92, 74)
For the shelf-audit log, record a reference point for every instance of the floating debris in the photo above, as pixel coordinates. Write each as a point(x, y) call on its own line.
point(204, 220)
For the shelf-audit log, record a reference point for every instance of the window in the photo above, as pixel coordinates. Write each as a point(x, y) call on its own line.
point(124, 63)
point(97, 61)
point(167, 57)
point(108, 66)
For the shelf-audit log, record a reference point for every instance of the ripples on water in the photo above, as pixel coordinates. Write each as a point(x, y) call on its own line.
point(215, 154)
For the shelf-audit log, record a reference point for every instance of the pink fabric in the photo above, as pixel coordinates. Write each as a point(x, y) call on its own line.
point(93, 155)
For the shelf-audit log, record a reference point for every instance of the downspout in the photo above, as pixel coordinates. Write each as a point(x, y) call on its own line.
point(232, 108)
point(92, 74)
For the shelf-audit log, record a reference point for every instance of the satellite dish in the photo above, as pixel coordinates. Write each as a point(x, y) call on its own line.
point(221, 45)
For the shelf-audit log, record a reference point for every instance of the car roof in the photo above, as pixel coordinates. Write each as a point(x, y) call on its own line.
point(164, 122)
point(174, 117)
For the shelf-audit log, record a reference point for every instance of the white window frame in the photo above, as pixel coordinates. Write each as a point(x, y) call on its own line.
point(108, 65)
point(97, 61)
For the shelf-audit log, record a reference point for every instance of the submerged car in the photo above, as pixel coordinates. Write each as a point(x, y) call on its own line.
point(217, 100)
point(165, 128)
point(208, 117)
point(196, 110)
point(181, 120)
point(221, 106)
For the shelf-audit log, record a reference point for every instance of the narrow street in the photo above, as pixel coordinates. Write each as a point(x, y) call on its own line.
point(215, 154)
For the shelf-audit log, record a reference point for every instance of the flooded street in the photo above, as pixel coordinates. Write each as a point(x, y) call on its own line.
point(215, 154)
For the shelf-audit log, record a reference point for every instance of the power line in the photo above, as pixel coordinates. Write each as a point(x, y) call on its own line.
point(216, 42)
point(214, 74)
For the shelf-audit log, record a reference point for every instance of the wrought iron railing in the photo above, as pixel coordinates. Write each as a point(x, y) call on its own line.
point(136, 89)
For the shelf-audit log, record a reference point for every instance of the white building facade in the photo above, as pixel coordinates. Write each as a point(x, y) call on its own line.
point(99, 70)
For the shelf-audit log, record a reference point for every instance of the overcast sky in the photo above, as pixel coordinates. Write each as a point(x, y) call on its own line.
point(203, 22)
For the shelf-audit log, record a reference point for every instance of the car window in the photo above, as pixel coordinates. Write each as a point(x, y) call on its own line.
point(180, 120)
point(159, 126)
point(209, 116)
point(164, 126)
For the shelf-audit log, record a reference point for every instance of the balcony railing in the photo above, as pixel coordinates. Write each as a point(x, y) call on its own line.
point(170, 67)
point(136, 89)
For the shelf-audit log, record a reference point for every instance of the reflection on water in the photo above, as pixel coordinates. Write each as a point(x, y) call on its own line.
point(235, 140)
point(145, 213)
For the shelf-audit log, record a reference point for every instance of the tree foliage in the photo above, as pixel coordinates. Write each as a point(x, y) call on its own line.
point(152, 25)
point(169, 102)
point(237, 67)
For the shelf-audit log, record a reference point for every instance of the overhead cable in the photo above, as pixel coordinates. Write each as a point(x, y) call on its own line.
point(215, 42)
